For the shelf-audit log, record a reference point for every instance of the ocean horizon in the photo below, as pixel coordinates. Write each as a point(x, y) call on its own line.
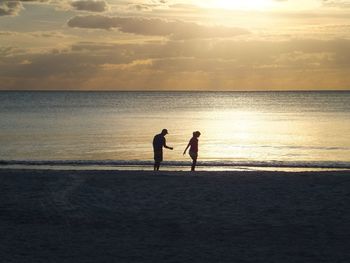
point(113, 129)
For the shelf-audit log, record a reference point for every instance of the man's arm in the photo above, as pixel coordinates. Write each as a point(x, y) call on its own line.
point(166, 146)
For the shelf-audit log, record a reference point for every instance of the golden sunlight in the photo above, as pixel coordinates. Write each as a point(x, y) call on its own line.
point(240, 5)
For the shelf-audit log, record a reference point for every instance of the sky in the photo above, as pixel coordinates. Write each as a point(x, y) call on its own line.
point(175, 45)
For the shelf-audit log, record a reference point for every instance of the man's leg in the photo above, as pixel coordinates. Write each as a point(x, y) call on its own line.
point(158, 157)
point(156, 166)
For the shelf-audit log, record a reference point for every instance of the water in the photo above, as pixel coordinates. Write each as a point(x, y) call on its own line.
point(250, 129)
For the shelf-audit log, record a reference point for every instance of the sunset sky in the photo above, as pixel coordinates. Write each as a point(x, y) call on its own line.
point(175, 45)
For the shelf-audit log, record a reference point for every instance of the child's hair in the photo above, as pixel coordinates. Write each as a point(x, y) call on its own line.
point(196, 134)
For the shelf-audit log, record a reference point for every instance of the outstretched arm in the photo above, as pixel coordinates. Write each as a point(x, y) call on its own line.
point(166, 146)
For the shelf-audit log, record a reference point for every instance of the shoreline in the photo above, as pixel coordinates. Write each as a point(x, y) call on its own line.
point(170, 168)
point(148, 172)
point(172, 216)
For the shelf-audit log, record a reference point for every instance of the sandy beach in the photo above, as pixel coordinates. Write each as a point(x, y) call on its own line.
point(142, 216)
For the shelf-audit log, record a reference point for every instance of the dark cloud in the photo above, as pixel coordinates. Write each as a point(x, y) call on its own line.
point(154, 27)
point(90, 5)
point(10, 8)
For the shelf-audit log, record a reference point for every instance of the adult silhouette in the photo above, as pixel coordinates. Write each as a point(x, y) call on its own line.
point(158, 143)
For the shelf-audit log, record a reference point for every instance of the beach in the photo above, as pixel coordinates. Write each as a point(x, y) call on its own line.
point(173, 216)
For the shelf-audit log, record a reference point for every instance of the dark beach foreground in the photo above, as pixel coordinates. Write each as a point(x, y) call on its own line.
point(139, 216)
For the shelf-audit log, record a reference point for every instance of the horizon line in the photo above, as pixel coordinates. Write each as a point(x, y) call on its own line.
point(140, 90)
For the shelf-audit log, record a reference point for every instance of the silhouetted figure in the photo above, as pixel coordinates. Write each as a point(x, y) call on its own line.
point(193, 152)
point(158, 143)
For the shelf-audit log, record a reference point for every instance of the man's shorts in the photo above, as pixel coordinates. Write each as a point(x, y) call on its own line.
point(158, 156)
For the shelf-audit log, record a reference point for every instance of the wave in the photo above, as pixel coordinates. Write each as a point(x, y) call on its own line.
point(140, 163)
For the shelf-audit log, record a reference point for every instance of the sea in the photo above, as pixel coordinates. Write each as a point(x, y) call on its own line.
point(295, 130)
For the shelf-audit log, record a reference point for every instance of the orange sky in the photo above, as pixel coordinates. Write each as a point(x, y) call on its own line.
point(175, 45)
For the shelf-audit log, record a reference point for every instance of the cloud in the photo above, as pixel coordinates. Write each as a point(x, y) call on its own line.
point(10, 8)
point(8, 33)
point(335, 3)
point(155, 27)
point(6, 51)
point(90, 5)
point(147, 5)
point(194, 64)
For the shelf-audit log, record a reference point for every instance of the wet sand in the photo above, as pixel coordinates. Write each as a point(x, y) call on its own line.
point(141, 216)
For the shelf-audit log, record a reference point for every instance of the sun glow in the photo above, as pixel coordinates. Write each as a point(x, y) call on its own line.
point(239, 5)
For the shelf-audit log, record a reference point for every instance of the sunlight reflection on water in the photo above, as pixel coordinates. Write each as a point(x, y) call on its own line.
point(263, 126)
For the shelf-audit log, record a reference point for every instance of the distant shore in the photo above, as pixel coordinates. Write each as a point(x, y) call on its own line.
point(173, 216)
